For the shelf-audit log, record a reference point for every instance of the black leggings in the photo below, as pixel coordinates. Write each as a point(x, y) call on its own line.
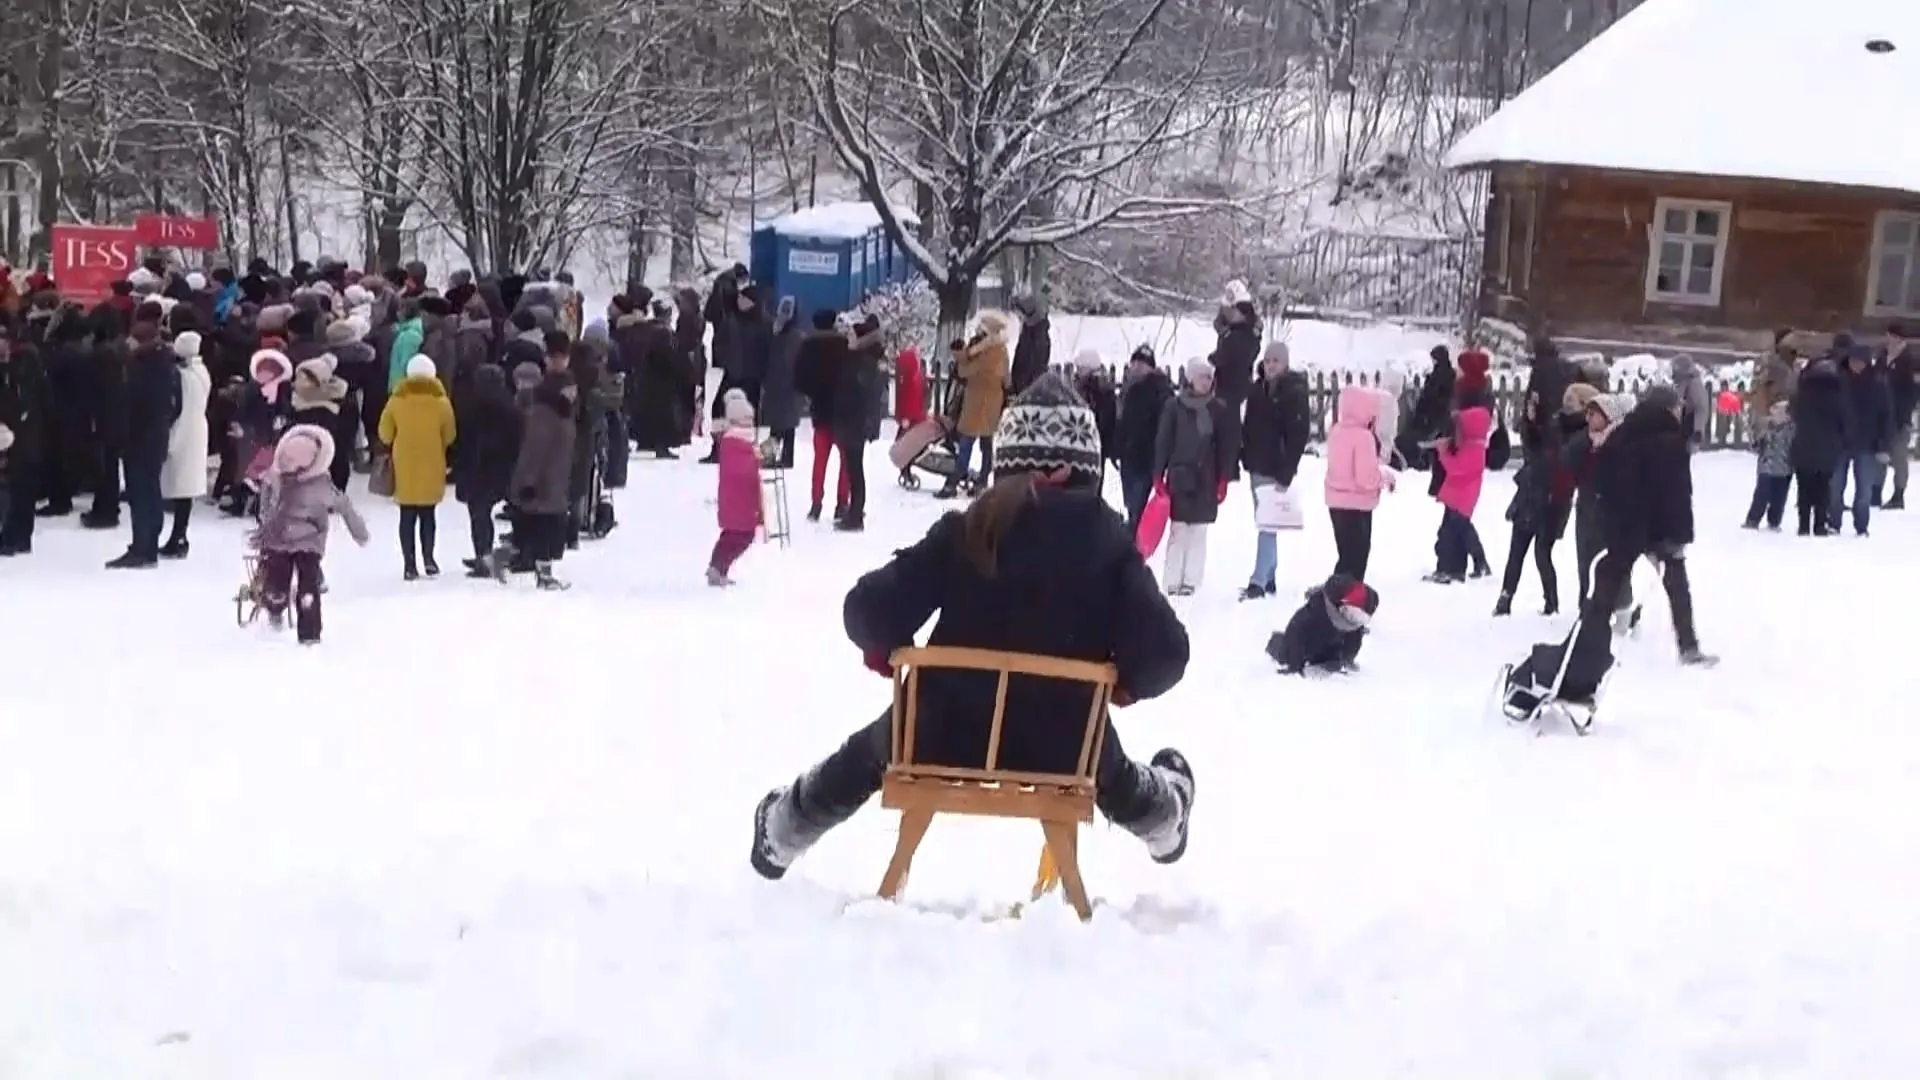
point(182, 513)
point(480, 527)
point(418, 521)
point(1517, 546)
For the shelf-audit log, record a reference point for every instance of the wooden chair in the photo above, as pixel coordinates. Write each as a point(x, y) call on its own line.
point(1058, 801)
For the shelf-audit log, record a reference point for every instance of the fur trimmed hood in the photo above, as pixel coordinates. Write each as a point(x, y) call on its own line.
point(315, 386)
point(269, 368)
point(305, 451)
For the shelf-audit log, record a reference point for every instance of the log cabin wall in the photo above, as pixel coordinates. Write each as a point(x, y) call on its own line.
point(1569, 249)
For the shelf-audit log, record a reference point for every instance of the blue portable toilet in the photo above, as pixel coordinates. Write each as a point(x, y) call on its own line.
point(830, 255)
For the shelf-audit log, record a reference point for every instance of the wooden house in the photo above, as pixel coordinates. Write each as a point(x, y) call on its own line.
point(1707, 170)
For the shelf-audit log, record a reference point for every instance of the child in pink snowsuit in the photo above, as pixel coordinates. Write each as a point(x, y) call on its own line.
point(740, 506)
point(1463, 457)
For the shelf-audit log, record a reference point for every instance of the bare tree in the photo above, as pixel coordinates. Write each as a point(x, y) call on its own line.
point(1023, 118)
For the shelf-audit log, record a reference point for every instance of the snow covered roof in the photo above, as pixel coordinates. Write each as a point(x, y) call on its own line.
point(837, 221)
point(1764, 89)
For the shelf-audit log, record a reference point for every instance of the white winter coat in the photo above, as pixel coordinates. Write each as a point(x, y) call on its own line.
point(185, 476)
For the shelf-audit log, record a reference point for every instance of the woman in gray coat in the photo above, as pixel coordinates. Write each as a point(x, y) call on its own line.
point(539, 490)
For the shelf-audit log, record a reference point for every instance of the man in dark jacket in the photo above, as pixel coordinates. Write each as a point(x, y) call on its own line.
point(1037, 565)
point(1033, 352)
point(657, 375)
point(741, 347)
point(1272, 439)
point(854, 419)
point(1643, 481)
point(1819, 433)
point(24, 402)
point(1431, 416)
point(1867, 426)
point(153, 404)
point(1903, 386)
point(1144, 392)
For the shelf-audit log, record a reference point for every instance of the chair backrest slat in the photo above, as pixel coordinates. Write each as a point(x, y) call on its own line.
point(908, 663)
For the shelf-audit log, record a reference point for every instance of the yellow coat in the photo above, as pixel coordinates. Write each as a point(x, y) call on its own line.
point(982, 369)
point(418, 424)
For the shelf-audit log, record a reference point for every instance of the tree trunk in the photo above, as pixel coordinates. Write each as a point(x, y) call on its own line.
point(637, 251)
point(682, 196)
point(956, 305)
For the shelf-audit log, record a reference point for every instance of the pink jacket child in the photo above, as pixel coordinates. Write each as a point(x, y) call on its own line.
point(1355, 477)
point(1464, 457)
point(297, 506)
point(739, 496)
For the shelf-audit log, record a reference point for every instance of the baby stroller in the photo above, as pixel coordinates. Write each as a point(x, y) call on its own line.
point(928, 447)
point(1564, 679)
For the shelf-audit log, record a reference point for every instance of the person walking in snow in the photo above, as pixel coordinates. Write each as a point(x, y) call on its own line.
point(1603, 412)
point(1194, 455)
point(1144, 393)
point(1866, 433)
point(153, 403)
point(1543, 492)
point(741, 507)
point(1272, 440)
point(1819, 439)
point(185, 477)
point(298, 502)
point(1461, 460)
point(489, 425)
point(1037, 564)
point(418, 429)
point(539, 491)
point(981, 366)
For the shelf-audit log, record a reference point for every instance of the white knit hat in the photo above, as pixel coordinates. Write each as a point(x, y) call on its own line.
point(1199, 368)
point(739, 409)
point(186, 345)
point(420, 368)
point(6, 438)
point(196, 281)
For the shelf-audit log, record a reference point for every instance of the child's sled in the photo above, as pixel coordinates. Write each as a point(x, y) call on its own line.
point(1555, 682)
point(1058, 802)
point(252, 594)
point(776, 521)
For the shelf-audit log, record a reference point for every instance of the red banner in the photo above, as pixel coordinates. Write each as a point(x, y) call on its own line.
point(88, 259)
point(188, 234)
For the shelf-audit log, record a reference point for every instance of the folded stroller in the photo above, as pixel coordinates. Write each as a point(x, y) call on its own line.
point(1563, 679)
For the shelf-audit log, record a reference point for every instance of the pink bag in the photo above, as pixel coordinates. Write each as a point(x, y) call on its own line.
point(1153, 524)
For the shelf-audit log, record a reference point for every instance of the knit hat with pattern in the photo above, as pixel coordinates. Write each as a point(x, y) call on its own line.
point(1047, 427)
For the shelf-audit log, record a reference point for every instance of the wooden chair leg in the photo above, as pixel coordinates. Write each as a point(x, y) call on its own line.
point(913, 829)
point(1063, 840)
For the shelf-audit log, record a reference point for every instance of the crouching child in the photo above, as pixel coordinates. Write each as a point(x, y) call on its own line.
point(297, 502)
point(1325, 635)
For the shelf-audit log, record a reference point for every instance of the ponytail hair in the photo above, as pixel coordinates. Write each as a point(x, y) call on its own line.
point(985, 523)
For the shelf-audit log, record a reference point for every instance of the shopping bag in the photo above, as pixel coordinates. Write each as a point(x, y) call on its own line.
point(1277, 509)
point(1153, 524)
point(381, 483)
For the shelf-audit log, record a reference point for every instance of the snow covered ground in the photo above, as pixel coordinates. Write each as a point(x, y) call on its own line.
point(495, 833)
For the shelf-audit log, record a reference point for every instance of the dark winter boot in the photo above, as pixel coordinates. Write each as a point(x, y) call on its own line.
point(543, 577)
point(948, 490)
point(1551, 607)
point(1169, 842)
point(1691, 656)
point(713, 455)
point(101, 521)
point(133, 560)
point(1503, 606)
point(432, 568)
point(1255, 592)
point(813, 512)
point(783, 831)
point(1898, 501)
point(850, 523)
point(175, 548)
point(60, 510)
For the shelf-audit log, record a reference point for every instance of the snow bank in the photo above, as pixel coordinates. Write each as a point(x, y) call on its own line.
point(1316, 346)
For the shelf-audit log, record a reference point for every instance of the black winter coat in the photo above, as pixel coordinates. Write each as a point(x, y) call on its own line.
point(489, 424)
point(1903, 383)
point(1643, 479)
point(1068, 583)
point(1032, 353)
point(1278, 426)
point(1866, 412)
point(657, 380)
point(1096, 389)
point(1819, 422)
point(817, 370)
point(1433, 408)
point(752, 347)
point(1137, 428)
point(1233, 359)
point(856, 393)
point(153, 404)
point(1311, 640)
point(25, 399)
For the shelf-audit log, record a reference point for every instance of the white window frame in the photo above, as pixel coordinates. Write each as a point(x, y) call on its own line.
point(1656, 234)
point(1874, 254)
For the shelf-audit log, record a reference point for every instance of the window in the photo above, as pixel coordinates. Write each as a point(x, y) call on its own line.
point(1893, 279)
point(1687, 254)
